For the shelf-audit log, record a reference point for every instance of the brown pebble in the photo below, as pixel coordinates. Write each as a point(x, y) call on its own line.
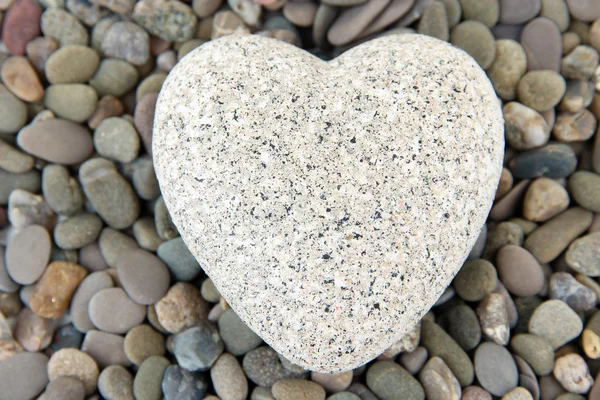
point(542, 41)
point(54, 290)
point(142, 342)
point(111, 310)
point(33, 332)
point(508, 205)
point(181, 307)
point(544, 199)
point(21, 25)
point(519, 271)
point(108, 106)
point(143, 119)
point(39, 51)
point(74, 363)
point(576, 127)
point(475, 393)
point(21, 79)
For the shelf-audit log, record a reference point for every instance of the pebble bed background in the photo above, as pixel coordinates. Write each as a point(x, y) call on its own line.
point(99, 297)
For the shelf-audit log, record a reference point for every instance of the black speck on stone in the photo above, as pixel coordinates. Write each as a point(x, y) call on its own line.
point(197, 348)
point(180, 384)
point(552, 161)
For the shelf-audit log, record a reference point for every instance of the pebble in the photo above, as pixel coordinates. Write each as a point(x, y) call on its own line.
point(116, 383)
point(439, 344)
point(111, 310)
point(525, 127)
point(334, 382)
point(570, 41)
point(584, 187)
point(21, 25)
point(39, 51)
point(579, 95)
point(180, 384)
point(248, 11)
point(238, 337)
point(463, 326)
point(527, 378)
point(53, 292)
point(590, 339)
point(142, 342)
point(555, 321)
point(76, 364)
point(475, 280)
point(519, 271)
point(493, 318)
point(541, 90)
point(582, 255)
point(495, 369)
point(169, 20)
point(518, 12)
point(389, 381)
point(144, 231)
point(142, 174)
point(13, 160)
point(64, 27)
point(408, 342)
point(127, 41)
point(565, 287)
point(114, 77)
point(434, 21)
point(264, 367)
point(206, 8)
point(77, 231)
point(64, 388)
point(19, 76)
point(44, 139)
point(557, 11)
point(116, 139)
point(507, 69)
point(225, 23)
point(299, 14)
point(477, 40)
point(475, 393)
point(13, 112)
point(573, 374)
point(143, 276)
point(352, 21)
point(198, 348)
point(61, 191)
point(230, 383)
point(181, 308)
point(7, 285)
point(109, 193)
point(147, 381)
point(574, 127)
point(166, 60)
point(554, 160)
point(143, 119)
point(405, 12)
point(154, 82)
point(179, 260)
point(584, 10)
point(580, 63)
point(26, 208)
point(60, 68)
point(113, 243)
point(544, 199)
point(33, 332)
point(91, 285)
point(438, 381)
point(518, 393)
point(27, 254)
point(23, 376)
point(487, 11)
point(542, 41)
point(108, 106)
point(72, 101)
point(413, 361)
point(164, 225)
point(535, 350)
point(594, 37)
point(106, 348)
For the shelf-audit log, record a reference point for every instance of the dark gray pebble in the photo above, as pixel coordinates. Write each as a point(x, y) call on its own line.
point(197, 348)
point(552, 161)
point(180, 384)
point(179, 260)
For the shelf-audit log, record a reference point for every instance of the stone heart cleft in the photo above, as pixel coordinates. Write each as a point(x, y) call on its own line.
point(331, 203)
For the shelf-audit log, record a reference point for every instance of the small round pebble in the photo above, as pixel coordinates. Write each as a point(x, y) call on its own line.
point(544, 199)
point(181, 307)
point(582, 255)
point(171, 21)
point(573, 373)
point(65, 388)
point(116, 383)
point(13, 112)
point(116, 139)
point(21, 79)
point(475, 393)
point(390, 381)
point(144, 231)
point(525, 127)
point(197, 348)
point(74, 363)
point(486, 11)
point(77, 231)
point(476, 39)
point(61, 191)
point(33, 332)
point(238, 337)
point(127, 41)
point(509, 65)
point(536, 350)
point(114, 77)
point(332, 383)
point(475, 280)
point(60, 68)
point(554, 160)
point(580, 63)
point(106, 348)
point(264, 367)
point(24, 375)
point(111, 310)
point(463, 326)
point(180, 384)
point(555, 321)
point(520, 272)
point(438, 381)
point(27, 254)
point(565, 287)
point(542, 42)
point(230, 383)
point(142, 342)
point(164, 225)
point(179, 260)
point(143, 276)
point(495, 368)
point(147, 381)
point(64, 27)
point(584, 187)
point(541, 90)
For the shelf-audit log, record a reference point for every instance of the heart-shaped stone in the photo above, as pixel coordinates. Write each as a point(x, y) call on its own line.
point(331, 202)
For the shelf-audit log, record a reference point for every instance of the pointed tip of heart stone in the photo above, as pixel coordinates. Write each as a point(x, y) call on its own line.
point(331, 204)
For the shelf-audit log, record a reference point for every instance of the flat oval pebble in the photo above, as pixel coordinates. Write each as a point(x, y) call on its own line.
point(574, 127)
point(300, 14)
point(584, 187)
point(72, 101)
point(147, 381)
point(565, 287)
point(519, 271)
point(74, 363)
point(582, 255)
point(518, 11)
point(65, 388)
point(111, 195)
point(264, 367)
point(584, 10)
point(205, 8)
point(7, 285)
point(388, 381)
point(143, 275)
point(60, 68)
point(169, 20)
point(91, 285)
point(495, 368)
point(396, 10)
point(64, 27)
point(536, 350)
point(475, 280)
point(557, 11)
point(106, 348)
point(13, 160)
point(144, 231)
point(23, 376)
point(19, 76)
point(127, 41)
point(108, 106)
point(61, 191)
point(434, 21)
point(476, 39)
point(545, 198)
point(143, 119)
point(27, 254)
point(541, 90)
point(114, 77)
point(555, 321)
point(111, 310)
point(77, 231)
point(179, 384)
point(56, 140)
point(542, 42)
point(21, 25)
point(553, 161)
point(548, 241)
point(13, 112)
point(579, 95)
point(509, 65)
point(142, 342)
point(485, 11)
point(113, 243)
point(525, 127)
point(353, 21)
point(463, 326)
point(33, 332)
point(181, 262)
point(181, 307)
point(116, 383)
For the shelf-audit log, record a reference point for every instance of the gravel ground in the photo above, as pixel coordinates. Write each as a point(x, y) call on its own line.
point(100, 298)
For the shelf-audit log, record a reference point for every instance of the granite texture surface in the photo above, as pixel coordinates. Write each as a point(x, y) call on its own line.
point(331, 202)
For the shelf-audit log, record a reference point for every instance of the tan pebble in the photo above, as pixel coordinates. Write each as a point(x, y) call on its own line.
point(74, 363)
point(39, 50)
point(493, 319)
point(475, 393)
point(525, 128)
point(544, 199)
point(573, 374)
point(33, 332)
point(226, 23)
point(20, 77)
point(108, 106)
point(55, 288)
point(574, 127)
point(518, 393)
point(570, 40)
point(181, 307)
point(332, 383)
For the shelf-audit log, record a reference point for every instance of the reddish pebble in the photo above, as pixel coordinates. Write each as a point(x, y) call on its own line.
point(21, 25)
point(21, 79)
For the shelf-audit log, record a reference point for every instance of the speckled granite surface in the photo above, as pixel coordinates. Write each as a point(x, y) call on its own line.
point(331, 203)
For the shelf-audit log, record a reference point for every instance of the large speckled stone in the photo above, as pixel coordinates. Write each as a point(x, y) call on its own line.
point(334, 265)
